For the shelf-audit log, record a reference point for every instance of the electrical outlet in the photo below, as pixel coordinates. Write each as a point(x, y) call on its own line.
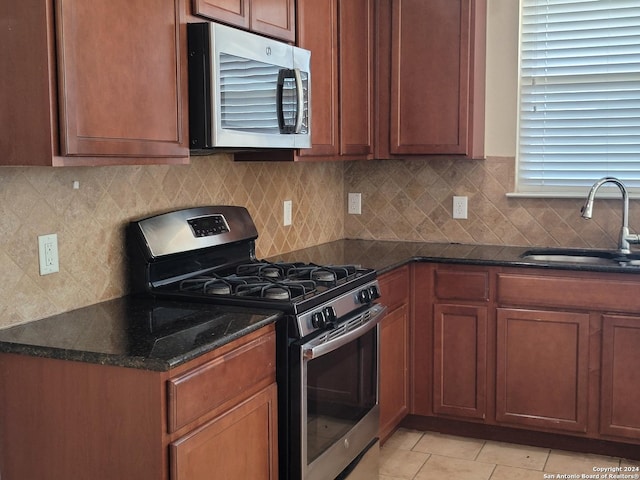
point(460, 207)
point(288, 207)
point(48, 253)
point(355, 204)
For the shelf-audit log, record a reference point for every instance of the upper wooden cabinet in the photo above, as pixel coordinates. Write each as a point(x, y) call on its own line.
point(275, 18)
point(340, 36)
point(93, 83)
point(431, 59)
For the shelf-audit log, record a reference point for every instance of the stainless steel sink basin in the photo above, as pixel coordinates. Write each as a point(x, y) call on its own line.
point(581, 257)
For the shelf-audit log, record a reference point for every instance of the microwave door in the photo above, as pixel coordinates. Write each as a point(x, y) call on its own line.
point(246, 99)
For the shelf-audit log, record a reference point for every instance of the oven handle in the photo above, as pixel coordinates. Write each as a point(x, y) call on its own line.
point(377, 311)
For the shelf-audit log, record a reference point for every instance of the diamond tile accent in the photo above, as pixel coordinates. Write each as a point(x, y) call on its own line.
point(412, 200)
point(402, 200)
point(90, 221)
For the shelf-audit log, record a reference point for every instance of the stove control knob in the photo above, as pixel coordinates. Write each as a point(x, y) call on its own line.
point(364, 296)
point(330, 314)
point(373, 292)
point(318, 320)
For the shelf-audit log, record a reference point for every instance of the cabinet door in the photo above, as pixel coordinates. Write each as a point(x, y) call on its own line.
point(233, 12)
point(620, 415)
point(122, 78)
point(242, 443)
point(394, 350)
point(318, 32)
point(460, 360)
point(394, 370)
point(275, 18)
point(356, 77)
point(435, 75)
point(542, 369)
point(340, 35)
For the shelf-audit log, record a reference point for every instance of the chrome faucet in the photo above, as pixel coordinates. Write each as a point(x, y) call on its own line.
point(587, 211)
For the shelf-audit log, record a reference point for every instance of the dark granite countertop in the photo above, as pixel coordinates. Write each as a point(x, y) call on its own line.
point(387, 255)
point(134, 332)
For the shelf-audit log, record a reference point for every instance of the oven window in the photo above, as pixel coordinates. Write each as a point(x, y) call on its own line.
point(341, 390)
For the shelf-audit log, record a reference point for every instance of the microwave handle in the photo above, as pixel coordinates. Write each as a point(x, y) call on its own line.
point(284, 74)
point(300, 110)
point(316, 351)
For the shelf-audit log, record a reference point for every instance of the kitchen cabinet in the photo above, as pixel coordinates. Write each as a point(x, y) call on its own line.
point(431, 77)
point(248, 427)
point(340, 36)
point(620, 415)
point(551, 351)
point(560, 348)
point(542, 369)
point(93, 83)
point(460, 315)
point(275, 18)
point(394, 351)
point(86, 420)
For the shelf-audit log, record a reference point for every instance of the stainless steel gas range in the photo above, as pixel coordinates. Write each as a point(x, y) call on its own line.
point(327, 342)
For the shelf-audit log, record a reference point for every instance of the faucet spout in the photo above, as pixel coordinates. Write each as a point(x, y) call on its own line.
point(587, 211)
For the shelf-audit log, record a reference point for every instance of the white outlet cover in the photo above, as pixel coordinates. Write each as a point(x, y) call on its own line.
point(460, 207)
point(48, 254)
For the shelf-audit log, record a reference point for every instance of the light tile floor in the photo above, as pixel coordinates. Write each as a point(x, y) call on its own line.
point(413, 455)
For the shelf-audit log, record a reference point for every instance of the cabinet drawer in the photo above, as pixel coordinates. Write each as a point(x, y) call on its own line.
point(394, 287)
point(589, 292)
point(208, 386)
point(462, 284)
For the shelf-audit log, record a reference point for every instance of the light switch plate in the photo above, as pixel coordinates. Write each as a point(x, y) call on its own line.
point(355, 204)
point(288, 207)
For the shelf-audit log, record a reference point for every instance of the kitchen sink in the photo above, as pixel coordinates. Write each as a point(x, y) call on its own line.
point(581, 257)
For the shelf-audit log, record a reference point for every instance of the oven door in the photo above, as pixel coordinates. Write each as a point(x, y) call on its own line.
point(337, 390)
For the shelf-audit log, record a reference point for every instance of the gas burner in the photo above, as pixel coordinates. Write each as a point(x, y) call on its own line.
point(217, 287)
point(271, 272)
point(323, 275)
point(276, 292)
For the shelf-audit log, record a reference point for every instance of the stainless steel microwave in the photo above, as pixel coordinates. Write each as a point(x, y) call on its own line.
point(246, 91)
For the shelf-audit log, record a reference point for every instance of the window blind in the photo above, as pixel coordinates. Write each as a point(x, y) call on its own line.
point(579, 116)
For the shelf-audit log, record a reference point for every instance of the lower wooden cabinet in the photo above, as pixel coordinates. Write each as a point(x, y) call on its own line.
point(546, 351)
point(542, 368)
point(394, 351)
point(620, 377)
point(212, 417)
point(460, 360)
point(394, 365)
point(237, 444)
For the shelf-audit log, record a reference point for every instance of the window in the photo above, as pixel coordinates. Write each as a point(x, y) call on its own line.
point(579, 100)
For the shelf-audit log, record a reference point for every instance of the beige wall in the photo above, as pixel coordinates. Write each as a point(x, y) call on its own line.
point(502, 84)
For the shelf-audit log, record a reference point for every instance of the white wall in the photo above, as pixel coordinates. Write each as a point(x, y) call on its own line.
point(502, 77)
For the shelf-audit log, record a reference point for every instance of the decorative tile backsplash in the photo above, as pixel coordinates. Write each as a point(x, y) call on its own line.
point(90, 220)
point(412, 200)
point(402, 200)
